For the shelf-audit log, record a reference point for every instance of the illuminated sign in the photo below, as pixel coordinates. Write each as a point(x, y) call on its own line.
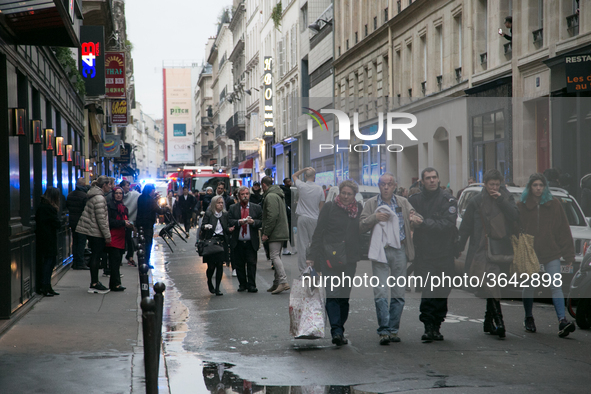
point(578, 73)
point(69, 153)
point(36, 129)
point(92, 59)
point(115, 85)
point(268, 93)
point(59, 146)
point(19, 121)
point(49, 140)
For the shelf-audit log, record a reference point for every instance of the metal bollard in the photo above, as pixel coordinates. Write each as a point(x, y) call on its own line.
point(151, 356)
point(159, 300)
point(144, 280)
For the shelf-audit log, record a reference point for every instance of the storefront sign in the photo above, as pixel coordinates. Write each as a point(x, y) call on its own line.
point(248, 145)
point(92, 59)
point(578, 73)
point(36, 129)
point(119, 112)
point(125, 155)
point(49, 146)
point(115, 86)
point(110, 148)
point(268, 93)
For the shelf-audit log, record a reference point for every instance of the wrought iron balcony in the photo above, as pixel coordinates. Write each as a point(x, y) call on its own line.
point(219, 131)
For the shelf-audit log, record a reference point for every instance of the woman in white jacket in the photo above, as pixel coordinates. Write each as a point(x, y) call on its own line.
point(94, 223)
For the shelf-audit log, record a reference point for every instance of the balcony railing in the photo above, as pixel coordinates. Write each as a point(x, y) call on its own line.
point(204, 150)
point(219, 131)
point(424, 88)
point(439, 82)
point(224, 162)
point(210, 145)
point(236, 120)
point(572, 22)
point(508, 47)
point(538, 37)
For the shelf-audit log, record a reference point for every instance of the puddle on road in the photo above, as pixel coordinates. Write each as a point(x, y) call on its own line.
point(220, 379)
point(216, 378)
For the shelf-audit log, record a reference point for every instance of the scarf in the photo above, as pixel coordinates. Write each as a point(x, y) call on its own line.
point(244, 215)
point(351, 209)
point(121, 211)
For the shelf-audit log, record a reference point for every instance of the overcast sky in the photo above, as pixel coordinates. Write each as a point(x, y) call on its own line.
point(172, 30)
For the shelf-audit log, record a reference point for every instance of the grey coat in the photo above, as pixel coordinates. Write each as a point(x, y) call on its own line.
point(94, 221)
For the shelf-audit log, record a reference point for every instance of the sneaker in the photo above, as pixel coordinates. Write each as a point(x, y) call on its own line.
point(565, 327)
point(529, 324)
point(98, 288)
point(106, 275)
point(286, 253)
point(384, 339)
point(234, 273)
point(394, 337)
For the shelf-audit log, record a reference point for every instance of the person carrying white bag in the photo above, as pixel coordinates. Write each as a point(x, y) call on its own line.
point(335, 251)
point(306, 307)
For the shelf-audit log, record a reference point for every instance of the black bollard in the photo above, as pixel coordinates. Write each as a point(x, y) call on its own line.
point(159, 300)
point(151, 356)
point(144, 280)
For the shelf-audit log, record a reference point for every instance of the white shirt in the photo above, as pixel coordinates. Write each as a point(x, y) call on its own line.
point(309, 197)
point(245, 237)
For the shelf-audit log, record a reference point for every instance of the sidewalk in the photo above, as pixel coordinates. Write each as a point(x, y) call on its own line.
point(78, 342)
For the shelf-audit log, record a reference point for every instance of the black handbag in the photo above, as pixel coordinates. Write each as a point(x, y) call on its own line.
point(336, 253)
point(210, 246)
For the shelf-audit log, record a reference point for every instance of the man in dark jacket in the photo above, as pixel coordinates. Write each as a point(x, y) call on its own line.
point(434, 238)
point(221, 191)
point(147, 209)
point(256, 197)
point(247, 220)
point(186, 204)
point(75, 203)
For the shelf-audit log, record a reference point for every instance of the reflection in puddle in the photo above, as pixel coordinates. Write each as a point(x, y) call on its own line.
point(220, 380)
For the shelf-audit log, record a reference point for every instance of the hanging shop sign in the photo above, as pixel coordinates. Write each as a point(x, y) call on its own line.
point(119, 112)
point(268, 93)
point(92, 59)
point(125, 154)
point(115, 86)
point(111, 146)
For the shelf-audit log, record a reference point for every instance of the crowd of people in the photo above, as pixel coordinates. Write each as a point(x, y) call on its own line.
point(415, 225)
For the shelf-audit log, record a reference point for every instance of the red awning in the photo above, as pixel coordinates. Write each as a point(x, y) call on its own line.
point(245, 167)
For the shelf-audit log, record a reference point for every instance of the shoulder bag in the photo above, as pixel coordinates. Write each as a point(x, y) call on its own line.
point(336, 253)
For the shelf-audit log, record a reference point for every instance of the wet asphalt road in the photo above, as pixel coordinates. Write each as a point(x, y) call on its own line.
point(250, 332)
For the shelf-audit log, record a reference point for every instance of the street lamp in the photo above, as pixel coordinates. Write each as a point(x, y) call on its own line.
point(315, 26)
point(249, 92)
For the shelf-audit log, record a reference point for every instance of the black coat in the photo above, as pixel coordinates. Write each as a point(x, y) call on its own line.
point(256, 198)
point(205, 201)
point(48, 225)
point(186, 205)
point(147, 208)
point(256, 213)
point(75, 203)
point(435, 237)
point(334, 225)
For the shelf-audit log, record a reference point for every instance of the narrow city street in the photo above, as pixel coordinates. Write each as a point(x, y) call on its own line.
point(249, 335)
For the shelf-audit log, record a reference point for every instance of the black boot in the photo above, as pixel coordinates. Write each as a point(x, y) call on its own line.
point(53, 292)
point(46, 291)
point(436, 334)
point(498, 318)
point(489, 325)
point(428, 336)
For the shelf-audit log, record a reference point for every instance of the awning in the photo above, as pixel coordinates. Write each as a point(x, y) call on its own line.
point(95, 128)
point(245, 167)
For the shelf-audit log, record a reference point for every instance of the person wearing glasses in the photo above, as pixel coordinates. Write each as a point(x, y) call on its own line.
point(389, 217)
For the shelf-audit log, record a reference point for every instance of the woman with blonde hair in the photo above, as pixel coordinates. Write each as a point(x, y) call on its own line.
point(94, 223)
point(215, 225)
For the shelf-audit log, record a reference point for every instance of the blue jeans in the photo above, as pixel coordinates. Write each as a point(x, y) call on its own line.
point(389, 317)
point(553, 267)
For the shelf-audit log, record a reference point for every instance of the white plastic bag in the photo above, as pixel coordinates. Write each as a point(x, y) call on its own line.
point(307, 308)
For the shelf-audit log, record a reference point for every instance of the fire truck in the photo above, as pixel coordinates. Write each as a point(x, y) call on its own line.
point(197, 178)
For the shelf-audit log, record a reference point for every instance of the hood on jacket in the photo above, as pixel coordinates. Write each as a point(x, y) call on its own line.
point(94, 191)
point(275, 189)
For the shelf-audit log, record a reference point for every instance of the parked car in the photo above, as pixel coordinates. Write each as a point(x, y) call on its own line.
point(579, 227)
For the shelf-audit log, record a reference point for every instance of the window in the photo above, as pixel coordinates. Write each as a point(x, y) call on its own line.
point(366, 30)
point(339, 50)
point(304, 17)
point(386, 15)
point(488, 141)
point(375, 22)
point(347, 44)
point(294, 46)
point(356, 38)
